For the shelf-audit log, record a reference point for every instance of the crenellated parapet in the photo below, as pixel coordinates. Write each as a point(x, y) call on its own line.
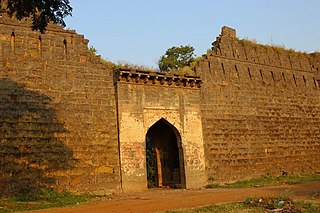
point(229, 46)
point(19, 42)
point(242, 61)
point(157, 79)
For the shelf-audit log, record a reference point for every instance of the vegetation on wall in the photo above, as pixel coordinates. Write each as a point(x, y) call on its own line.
point(177, 60)
point(277, 48)
point(127, 65)
point(120, 64)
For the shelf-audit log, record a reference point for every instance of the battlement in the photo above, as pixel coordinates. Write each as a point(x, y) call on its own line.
point(159, 79)
point(18, 41)
point(228, 46)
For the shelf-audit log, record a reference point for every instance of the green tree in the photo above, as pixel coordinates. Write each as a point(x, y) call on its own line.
point(41, 12)
point(176, 58)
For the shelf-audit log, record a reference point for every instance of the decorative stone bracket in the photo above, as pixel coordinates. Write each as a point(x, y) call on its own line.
point(153, 78)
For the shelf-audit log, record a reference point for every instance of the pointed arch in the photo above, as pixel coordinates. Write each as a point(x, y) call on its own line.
point(164, 156)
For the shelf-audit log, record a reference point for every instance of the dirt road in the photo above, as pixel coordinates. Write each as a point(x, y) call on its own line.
point(165, 199)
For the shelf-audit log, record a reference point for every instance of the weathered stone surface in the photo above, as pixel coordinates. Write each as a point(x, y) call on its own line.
point(260, 110)
point(57, 113)
point(140, 106)
point(69, 122)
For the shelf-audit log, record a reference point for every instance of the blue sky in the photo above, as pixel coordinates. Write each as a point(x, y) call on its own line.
point(141, 31)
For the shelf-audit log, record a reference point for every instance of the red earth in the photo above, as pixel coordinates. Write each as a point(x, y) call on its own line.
point(155, 200)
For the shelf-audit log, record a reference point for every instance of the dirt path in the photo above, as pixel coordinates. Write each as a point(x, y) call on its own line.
point(164, 199)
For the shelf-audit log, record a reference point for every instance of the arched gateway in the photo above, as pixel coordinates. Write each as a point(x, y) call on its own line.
point(164, 156)
point(160, 130)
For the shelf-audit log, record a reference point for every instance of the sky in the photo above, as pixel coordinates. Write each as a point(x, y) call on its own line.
point(140, 31)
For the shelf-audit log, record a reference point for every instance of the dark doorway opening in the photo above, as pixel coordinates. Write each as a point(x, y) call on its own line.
point(164, 156)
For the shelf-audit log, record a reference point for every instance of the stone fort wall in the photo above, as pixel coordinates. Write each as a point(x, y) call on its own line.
point(260, 109)
point(57, 113)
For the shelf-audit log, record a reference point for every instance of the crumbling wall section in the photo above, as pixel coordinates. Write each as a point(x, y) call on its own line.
point(57, 112)
point(260, 109)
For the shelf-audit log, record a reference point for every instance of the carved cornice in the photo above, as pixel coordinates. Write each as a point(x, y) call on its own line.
point(159, 79)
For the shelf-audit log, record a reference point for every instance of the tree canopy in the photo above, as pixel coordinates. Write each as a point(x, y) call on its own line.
point(176, 58)
point(41, 12)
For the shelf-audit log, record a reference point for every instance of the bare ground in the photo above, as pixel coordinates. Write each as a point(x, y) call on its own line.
point(165, 199)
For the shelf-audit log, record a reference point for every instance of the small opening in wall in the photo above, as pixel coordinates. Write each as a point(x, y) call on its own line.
point(65, 47)
point(304, 80)
point(300, 64)
point(12, 41)
point(272, 76)
point(237, 72)
point(209, 67)
point(249, 72)
point(317, 69)
point(290, 62)
point(222, 66)
point(294, 79)
point(40, 46)
point(315, 82)
point(284, 77)
point(261, 74)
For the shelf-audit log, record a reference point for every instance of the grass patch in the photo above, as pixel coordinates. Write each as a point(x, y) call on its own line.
point(28, 200)
point(282, 204)
point(228, 207)
point(278, 48)
point(259, 204)
point(270, 180)
point(316, 195)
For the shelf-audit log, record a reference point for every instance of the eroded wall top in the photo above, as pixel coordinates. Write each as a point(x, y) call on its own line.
point(18, 40)
point(229, 46)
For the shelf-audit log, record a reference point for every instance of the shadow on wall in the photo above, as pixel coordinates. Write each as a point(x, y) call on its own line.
point(30, 149)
